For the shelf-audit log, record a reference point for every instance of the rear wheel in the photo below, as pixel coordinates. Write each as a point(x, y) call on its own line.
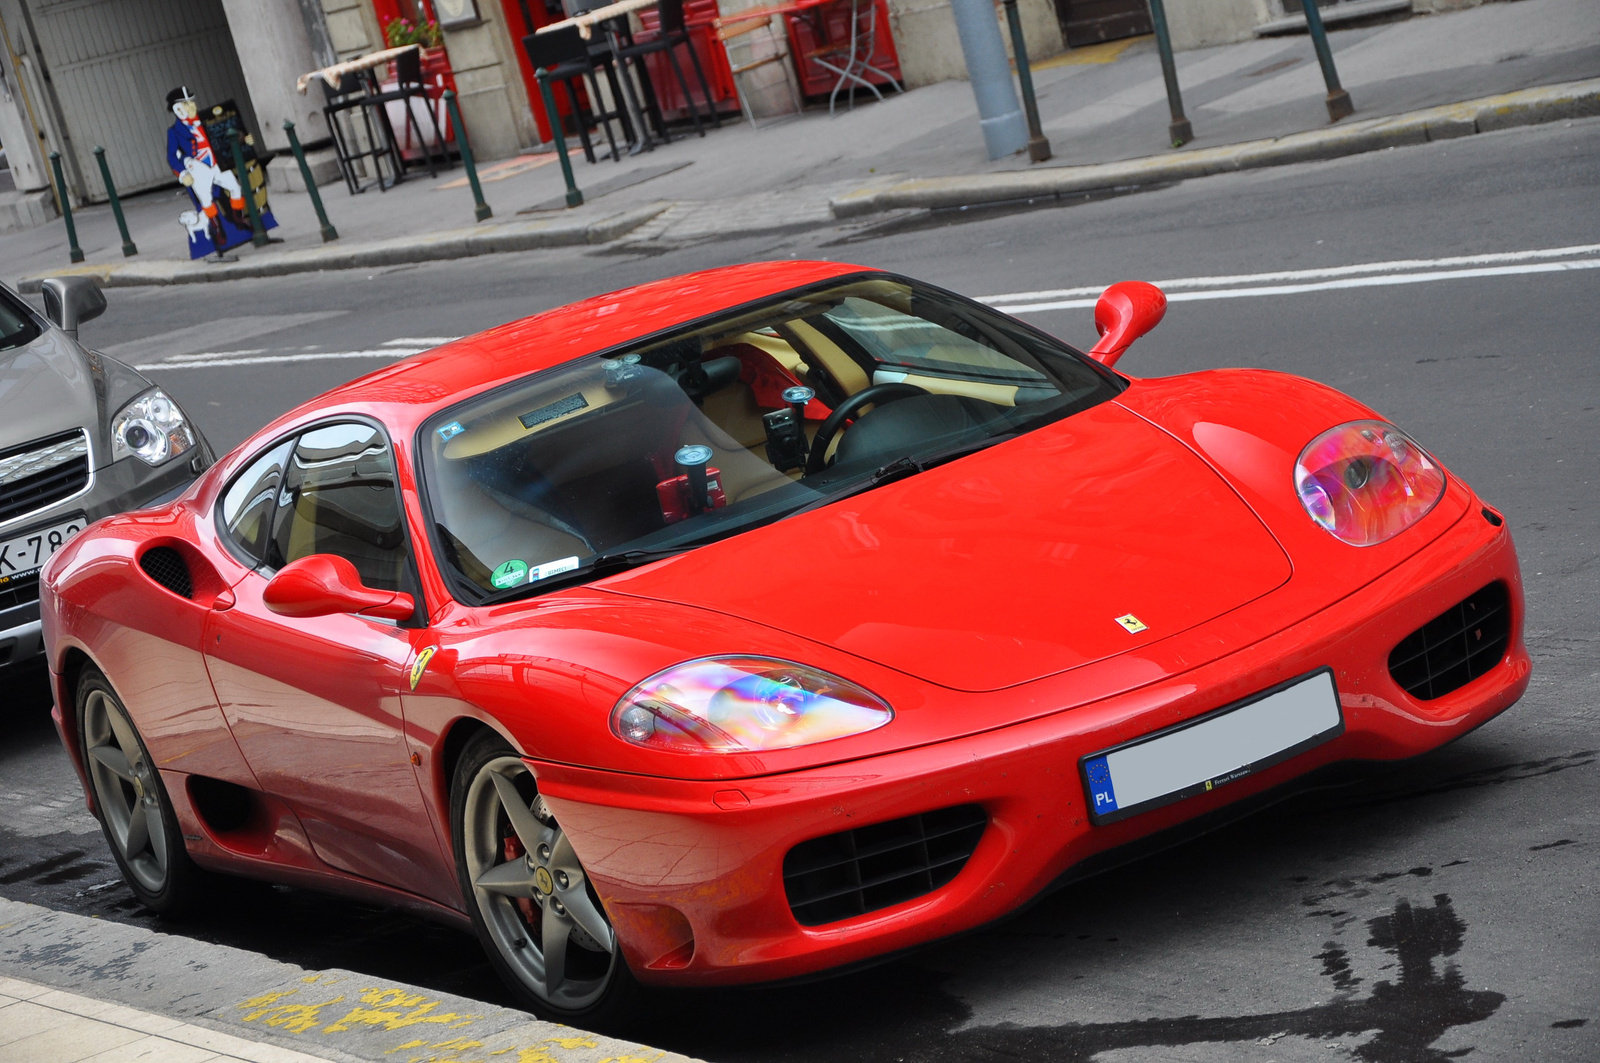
point(132, 803)
point(534, 909)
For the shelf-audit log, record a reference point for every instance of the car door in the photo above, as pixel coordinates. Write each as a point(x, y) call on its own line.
point(315, 702)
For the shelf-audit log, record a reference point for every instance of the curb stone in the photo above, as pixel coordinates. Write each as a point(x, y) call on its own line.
point(333, 1014)
point(394, 251)
point(1550, 103)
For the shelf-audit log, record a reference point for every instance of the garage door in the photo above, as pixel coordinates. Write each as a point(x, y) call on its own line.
point(110, 64)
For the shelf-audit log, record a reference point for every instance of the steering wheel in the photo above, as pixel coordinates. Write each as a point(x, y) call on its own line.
point(850, 408)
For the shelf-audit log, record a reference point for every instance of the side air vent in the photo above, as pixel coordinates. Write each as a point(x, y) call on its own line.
point(858, 871)
point(167, 567)
point(1455, 647)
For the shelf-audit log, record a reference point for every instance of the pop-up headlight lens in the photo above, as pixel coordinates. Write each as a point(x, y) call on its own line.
point(152, 428)
point(1366, 482)
point(744, 705)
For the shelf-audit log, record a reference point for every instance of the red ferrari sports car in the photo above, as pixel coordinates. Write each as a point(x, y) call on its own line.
point(762, 621)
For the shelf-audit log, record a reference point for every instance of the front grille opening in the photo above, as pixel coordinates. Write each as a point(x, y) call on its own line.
point(858, 871)
point(18, 592)
point(1455, 647)
point(43, 489)
point(167, 567)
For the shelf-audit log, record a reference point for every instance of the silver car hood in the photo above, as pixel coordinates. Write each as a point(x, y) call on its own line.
point(53, 385)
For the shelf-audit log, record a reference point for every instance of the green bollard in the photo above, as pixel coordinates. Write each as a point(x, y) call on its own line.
point(258, 235)
point(66, 207)
point(128, 249)
point(481, 211)
point(328, 231)
point(1038, 143)
point(574, 197)
point(1339, 103)
point(1180, 130)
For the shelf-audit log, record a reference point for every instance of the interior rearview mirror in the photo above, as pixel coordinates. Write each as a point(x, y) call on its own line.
point(70, 301)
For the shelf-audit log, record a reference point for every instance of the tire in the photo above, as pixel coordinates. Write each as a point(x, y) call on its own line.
point(131, 802)
point(518, 904)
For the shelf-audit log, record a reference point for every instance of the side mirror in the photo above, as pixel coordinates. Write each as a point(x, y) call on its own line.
point(1126, 311)
point(70, 301)
point(324, 584)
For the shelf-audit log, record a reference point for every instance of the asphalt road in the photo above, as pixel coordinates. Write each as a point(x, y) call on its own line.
point(1444, 907)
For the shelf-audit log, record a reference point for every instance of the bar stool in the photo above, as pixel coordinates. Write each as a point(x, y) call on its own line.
point(343, 102)
point(563, 55)
point(409, 85)
point(671, 34)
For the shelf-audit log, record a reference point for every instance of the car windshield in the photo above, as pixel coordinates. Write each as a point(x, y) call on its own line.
point(16, 324)
point(682, 439)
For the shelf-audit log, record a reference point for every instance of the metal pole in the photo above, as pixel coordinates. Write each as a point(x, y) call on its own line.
point(258, 235)
point(128, 249)
point(1005, 131)
point(574, 197)
point(328, 231)
point(1180, 129)
point(1339, 104)
point(66, 207)
point(1038, 143)
point(481, 211)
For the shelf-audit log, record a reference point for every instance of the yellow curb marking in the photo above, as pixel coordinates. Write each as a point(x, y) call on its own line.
point(296, 1018)
point(1109, 52)
point(394, 1009)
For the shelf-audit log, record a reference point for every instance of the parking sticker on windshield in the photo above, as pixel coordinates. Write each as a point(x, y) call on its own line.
point(450, 431)
point(510, 574)
point(554, 568)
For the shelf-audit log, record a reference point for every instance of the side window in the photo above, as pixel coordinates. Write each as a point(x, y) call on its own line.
point(248, 503)
point(338, 497)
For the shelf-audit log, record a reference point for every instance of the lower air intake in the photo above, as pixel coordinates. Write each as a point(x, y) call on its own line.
point(167, 567)
point(858, 871)
point(1455, 647)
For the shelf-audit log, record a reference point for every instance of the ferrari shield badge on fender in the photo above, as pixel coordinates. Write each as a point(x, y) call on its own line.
point(420, 665)
point(1131, 622)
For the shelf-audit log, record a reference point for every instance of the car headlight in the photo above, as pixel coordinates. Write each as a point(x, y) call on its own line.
point(1366, 482)
point(152, 428)
point(744, 705)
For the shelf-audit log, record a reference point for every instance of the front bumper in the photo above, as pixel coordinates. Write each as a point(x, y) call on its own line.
point(692, 872)
point(116, 488)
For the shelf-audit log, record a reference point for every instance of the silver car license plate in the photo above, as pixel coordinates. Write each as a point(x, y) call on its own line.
point(1218, 748)
point(24, 553)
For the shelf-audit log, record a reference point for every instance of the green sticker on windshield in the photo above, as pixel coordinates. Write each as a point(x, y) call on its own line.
point(509, 574)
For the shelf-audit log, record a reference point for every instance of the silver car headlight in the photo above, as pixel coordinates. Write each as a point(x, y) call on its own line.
point(152, 428)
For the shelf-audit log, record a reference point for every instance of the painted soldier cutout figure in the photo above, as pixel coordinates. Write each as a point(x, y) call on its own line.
point(191, 157)
point(218, 221)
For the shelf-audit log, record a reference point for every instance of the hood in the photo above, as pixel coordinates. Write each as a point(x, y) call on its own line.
point(1006, 566)
point(47, 387)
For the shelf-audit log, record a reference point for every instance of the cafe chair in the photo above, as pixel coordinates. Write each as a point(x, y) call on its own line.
point(778, 52)
point(410, 85)
point(672, 33)
point(359, 141)
point(563, 55)
point(856, 55)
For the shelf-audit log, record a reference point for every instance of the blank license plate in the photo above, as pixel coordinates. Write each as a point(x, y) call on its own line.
point(25, 553)
point(1223, 746)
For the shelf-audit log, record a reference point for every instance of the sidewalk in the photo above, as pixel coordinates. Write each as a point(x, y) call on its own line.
point(1104, 109)
point(74, 988)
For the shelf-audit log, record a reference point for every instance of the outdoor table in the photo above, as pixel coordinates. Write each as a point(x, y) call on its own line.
point(334, 75)
point(605, 17)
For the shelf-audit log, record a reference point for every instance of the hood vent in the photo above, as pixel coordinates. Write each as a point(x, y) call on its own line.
point(167, 567)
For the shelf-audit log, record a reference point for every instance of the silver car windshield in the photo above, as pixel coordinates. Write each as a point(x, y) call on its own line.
point(17, 326)
point(684, 439)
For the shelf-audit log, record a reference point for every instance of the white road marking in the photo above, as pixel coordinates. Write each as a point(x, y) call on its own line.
point(421, 341)
point(1405, 271)
point(207, 361)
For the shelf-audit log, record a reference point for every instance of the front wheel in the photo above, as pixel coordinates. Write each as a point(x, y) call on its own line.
point(132, 803)
point(535, 911)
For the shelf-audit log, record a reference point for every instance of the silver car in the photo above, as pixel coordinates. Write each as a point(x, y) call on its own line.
point(82, 436)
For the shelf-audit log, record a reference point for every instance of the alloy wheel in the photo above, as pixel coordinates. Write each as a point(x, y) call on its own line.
point(534, 897)
point(126, 790)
